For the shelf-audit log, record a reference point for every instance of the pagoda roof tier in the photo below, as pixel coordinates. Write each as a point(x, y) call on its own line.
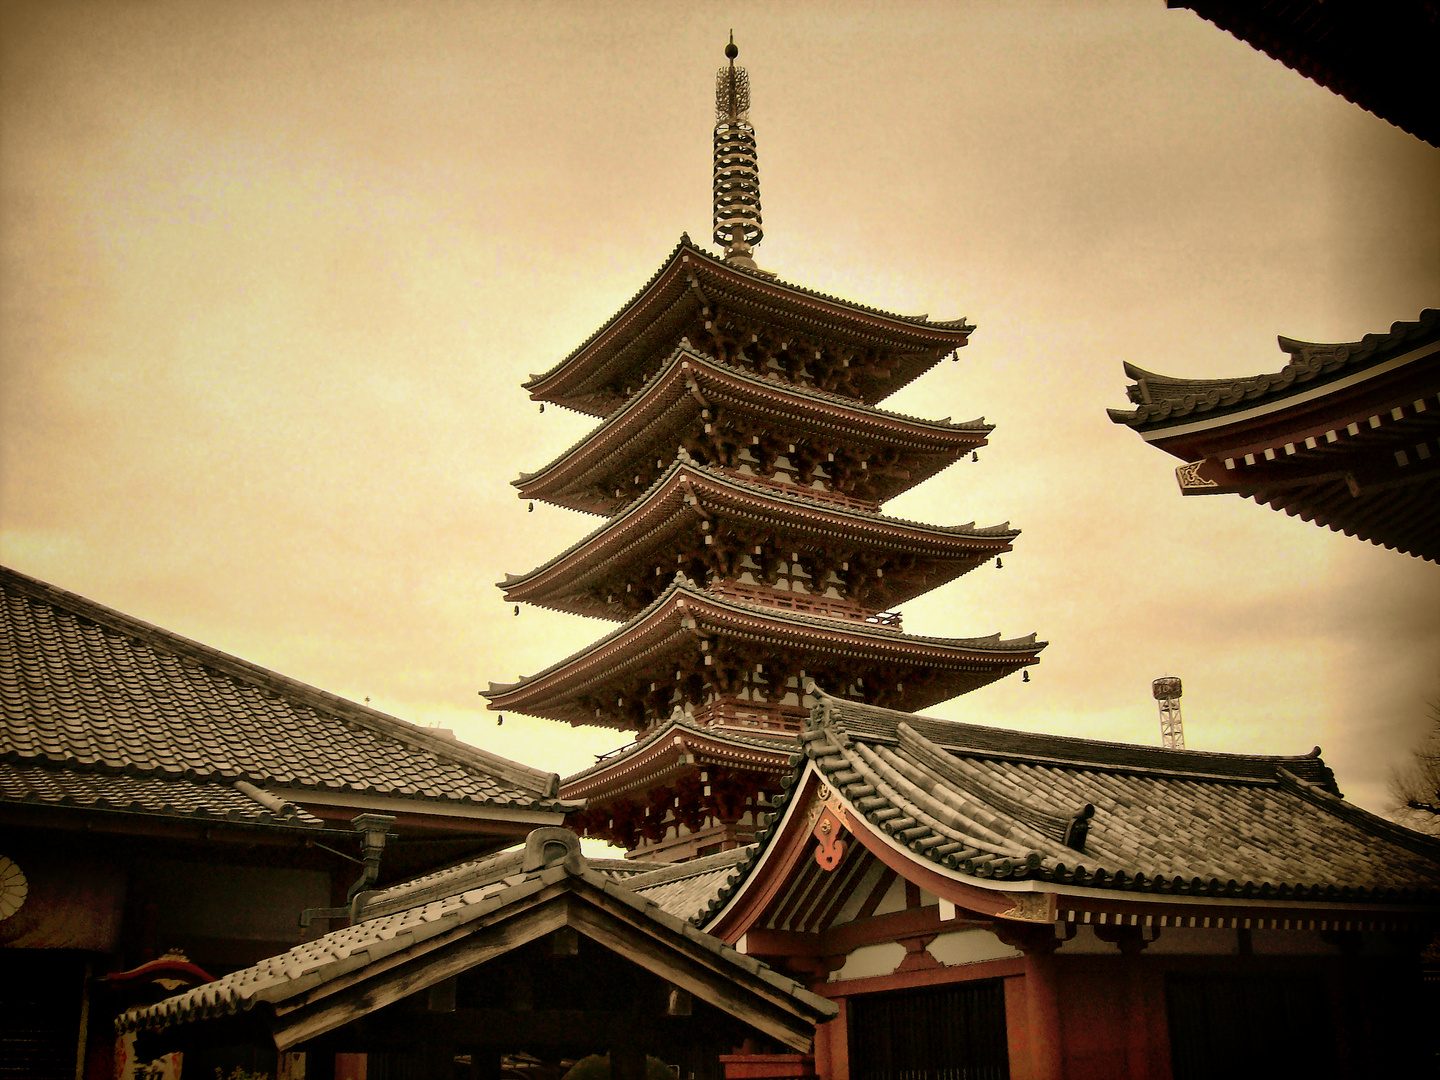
point(670, 410)
point(686, 622)
point(696, 508)
point(694, 285)
point(1345, 435)
point(671, 749)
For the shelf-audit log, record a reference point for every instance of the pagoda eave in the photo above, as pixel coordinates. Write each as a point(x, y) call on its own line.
point(691, 281)
point(669, 411)
point(689, 500)
point(685, 622)
point(671, 749)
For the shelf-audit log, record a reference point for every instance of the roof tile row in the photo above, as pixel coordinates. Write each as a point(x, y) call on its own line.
point(984, 802)
point(89, 692)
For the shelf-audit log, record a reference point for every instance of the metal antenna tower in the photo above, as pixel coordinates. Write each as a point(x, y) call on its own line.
point(737, 174)
point(1172, 729)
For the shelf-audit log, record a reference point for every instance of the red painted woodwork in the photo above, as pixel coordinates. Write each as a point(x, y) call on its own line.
point(767, 1066)
point(1043, 1006)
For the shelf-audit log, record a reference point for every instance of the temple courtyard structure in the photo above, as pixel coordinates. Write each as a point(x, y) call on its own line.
point(818, 879)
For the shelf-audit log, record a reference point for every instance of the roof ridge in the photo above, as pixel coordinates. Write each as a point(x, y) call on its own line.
point(1161, 397)
point(686, 246)
point(543, 784)
point(1070, 748)
point(690, 868)
point(1417, 842)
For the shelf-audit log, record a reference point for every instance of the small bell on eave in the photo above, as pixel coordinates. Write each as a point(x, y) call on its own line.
point(542, 406)
point(500, 720)
point(532, 508)
point(517, 609)
point(974, 455)
point(999, 563)
point(1024, 676)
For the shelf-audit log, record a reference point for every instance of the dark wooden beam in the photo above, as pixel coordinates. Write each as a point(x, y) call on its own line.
point(695, 969)
point(561, 1030)
point(385, 982)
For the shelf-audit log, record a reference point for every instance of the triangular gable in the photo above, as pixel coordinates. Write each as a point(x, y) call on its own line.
point(488, 910)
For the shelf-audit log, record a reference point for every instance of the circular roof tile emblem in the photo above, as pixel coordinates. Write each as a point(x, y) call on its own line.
point(13, 888)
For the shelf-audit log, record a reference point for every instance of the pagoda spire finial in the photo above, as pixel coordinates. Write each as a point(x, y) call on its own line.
point(737, 176)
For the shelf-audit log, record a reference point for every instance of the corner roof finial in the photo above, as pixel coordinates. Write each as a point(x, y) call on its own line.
point(737, 175)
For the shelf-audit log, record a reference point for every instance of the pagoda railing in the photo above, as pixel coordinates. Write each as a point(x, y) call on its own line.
point(746, 716)
point(751, 716)
point(806, 603)
point(821, 494)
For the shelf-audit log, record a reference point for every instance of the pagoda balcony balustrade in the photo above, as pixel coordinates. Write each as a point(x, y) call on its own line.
point(752, 716)
point(807, 603)
point(747, 717)
point(790, 487)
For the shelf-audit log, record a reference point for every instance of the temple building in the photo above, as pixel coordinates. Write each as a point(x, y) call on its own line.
point(742, 463)
point(984, 902)
point(169, 813)
point(1345, 435)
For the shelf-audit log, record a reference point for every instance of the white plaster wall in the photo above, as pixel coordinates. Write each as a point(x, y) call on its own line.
point(894, 898)
point(870, 960)
point(970, 947)
point(1086, 941)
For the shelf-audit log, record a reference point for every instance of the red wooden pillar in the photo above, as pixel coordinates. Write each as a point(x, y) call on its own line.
point(1017, 1028)
point(1137, 1049)
point(1043, 1001)
point(1140, 996)
point(835, 1064)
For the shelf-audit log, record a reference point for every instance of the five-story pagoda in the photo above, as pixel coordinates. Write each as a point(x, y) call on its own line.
point(741, 464)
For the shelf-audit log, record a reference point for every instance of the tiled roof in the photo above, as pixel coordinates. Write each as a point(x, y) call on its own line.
point(990, 643)
point(99, 709)
point(879, 530)
point(665, 732)
point(764, 284)
point(1005, 805)
point(404, 916)
point(685, 889)
point(939, 442)
point(552, 692)
point(1166, 399)
point(211, 800)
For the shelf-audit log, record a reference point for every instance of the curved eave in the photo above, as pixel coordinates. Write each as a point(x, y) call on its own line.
point(687, 493)
point(683, 612)
point(573, 381)
point(671, 399)
point(1169, 406)
point(674, 746)
point(826, 770)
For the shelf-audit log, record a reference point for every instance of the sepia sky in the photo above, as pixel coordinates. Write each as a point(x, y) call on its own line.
point(271, 274)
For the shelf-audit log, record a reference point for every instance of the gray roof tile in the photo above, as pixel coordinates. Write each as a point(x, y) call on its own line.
point(89, 694)
point(493, 882)
point(987, 801)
